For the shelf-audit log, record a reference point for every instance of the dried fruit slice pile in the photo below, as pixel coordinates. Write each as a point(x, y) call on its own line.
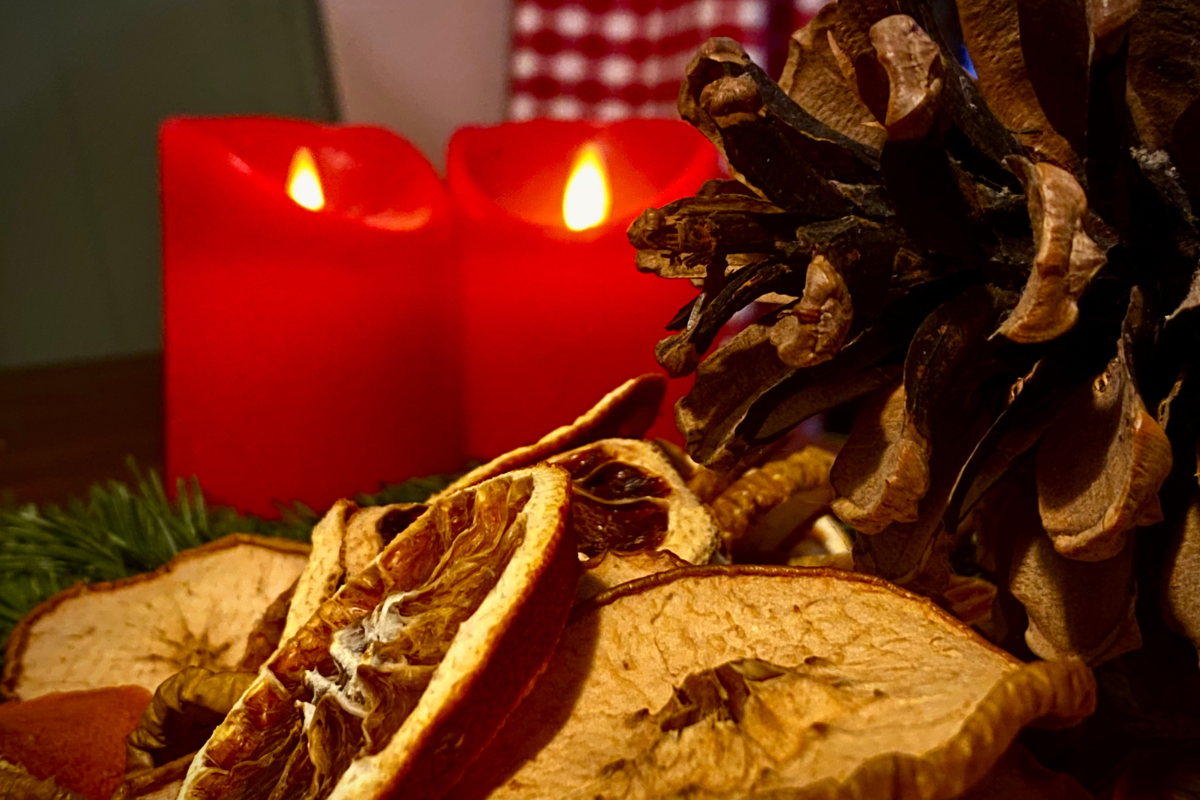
point(627, 494)
point(722, 682)
point(404, 674)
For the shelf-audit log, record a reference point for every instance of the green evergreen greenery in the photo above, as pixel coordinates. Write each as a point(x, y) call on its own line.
point(120, 530)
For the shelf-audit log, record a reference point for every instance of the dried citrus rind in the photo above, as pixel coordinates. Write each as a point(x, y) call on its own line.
point(724, 682)
point(325, 568)
point(77, 739)
point(198, 609)
point(182, 715)
point(400, 678)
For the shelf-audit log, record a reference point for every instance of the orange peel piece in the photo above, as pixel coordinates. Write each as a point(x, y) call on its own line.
point(198, 609)
point(76, 738)
point(725, 682)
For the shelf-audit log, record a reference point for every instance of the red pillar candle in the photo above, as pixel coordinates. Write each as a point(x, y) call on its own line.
point(309, 350)
point(555, 317)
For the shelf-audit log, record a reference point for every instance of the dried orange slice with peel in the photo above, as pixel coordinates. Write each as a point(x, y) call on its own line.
point(626, 412)
point(198, 609)
point(325, 568)
point(627, 497)
point(344, 542)
point(628, 494)
point(730, 682)
point(404, 675)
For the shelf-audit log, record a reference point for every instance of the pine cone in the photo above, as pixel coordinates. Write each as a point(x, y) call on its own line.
point(1003, 269)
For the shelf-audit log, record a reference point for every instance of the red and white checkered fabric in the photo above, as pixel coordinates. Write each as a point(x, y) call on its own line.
point(612, 59)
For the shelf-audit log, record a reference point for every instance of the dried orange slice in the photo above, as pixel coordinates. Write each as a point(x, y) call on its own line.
point(198, 609)
point(726, 682)
point(627, 496)
point(626, 412)
point(344, 542)
point(406, 673)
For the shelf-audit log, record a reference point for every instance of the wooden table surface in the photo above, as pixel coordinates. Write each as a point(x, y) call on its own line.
point(65, 427)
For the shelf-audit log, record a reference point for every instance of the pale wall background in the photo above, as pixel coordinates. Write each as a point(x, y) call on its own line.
point(420, 67)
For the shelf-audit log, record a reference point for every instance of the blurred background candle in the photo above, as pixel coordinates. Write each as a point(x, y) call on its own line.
point(555, 312)
point(309, 353)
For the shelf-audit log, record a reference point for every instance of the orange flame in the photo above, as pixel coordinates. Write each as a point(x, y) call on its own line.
point(303, 183)
point(586, 199)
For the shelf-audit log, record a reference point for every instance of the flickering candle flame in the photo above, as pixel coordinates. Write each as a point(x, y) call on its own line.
point(303, 183)
point(586, 199)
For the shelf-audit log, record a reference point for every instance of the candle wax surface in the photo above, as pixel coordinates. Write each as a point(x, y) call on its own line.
point(310, 354)
point(556, 318)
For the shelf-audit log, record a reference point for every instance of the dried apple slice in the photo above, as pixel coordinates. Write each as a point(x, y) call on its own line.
point(405, 674)
point(724, 682)
point(198, 609)
point(610, 569)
